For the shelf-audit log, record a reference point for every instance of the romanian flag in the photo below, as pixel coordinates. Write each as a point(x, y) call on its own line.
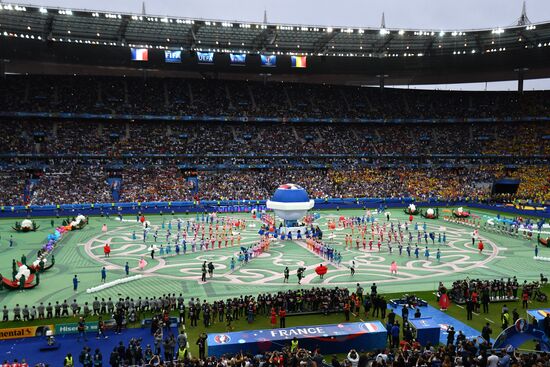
point(298, 61)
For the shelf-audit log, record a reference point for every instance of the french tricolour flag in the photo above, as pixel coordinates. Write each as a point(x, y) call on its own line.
point(140, 54)
point(370, 327)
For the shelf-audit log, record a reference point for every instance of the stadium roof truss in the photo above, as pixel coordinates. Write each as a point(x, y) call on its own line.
point(124, 30)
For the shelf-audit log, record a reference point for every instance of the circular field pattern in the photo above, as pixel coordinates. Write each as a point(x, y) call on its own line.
point(82, 253)
point(457, 255)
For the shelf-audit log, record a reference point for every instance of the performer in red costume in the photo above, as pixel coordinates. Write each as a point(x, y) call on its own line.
point(107, 250)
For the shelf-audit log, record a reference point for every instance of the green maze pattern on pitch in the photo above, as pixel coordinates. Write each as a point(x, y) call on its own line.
point(81, 253)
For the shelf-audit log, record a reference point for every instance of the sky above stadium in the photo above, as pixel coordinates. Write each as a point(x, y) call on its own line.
point(417, 14)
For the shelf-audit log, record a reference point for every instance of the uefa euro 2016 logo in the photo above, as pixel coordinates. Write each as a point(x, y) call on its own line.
point(521, 325)
point(222, 338)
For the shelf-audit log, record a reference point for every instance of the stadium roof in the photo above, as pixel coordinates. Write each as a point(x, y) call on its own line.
point(336, 54)
point(232, 36)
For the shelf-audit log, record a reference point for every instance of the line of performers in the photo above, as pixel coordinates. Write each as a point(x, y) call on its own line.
point(221, 233)
point(323, 250)
point(282, 234)
point(247, 254)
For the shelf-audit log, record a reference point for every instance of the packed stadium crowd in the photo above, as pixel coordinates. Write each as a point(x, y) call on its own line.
point(238, 98)
point(465, 354)
point(169, 347)
point(89, 184)
point(409, 354)
point(62, 161)
point(39, 137)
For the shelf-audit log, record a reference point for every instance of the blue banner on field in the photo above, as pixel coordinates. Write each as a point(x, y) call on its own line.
point(332, 338)
point(521, 332)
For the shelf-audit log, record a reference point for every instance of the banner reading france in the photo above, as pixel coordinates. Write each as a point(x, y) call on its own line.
point(332, 338)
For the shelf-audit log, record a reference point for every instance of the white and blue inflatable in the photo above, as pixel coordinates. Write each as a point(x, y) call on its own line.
point(290, 202)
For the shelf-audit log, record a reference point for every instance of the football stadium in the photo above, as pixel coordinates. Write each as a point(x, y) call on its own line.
point(180, 191)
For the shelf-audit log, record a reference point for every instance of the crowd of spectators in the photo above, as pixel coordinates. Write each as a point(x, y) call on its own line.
point(170, 348)
point(413, 354)
point(63, 161)
point(72, 184)
point(154, 184)
point(109, 138)
point(198, 97)
point(12, 184)
point(535, 184)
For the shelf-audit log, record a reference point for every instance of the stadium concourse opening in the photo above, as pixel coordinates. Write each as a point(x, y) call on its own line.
point(168, 198)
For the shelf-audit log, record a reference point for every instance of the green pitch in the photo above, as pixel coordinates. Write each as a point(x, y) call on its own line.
point(81, 253)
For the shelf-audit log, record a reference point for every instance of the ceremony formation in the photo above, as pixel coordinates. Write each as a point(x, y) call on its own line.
point(182, 191)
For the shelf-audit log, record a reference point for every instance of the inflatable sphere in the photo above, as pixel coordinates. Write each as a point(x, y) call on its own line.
point(290, 202)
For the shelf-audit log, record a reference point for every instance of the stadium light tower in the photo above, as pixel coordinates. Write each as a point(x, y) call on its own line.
point(523, 18)
point(383, 30)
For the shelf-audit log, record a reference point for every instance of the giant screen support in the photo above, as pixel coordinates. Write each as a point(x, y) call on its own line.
point(332, 338)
